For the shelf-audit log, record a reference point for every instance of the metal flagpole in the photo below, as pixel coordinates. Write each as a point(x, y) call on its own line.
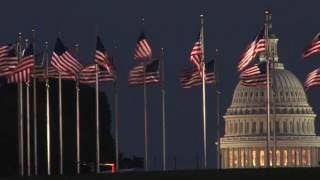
point(273, 99)
point(48, 111)
point(218, 92)
point(60, 127)
point(163, 92)
point(35, 139)
point(28, 122)
point(97, 122)
point(78, 114)
point(268, 86)
point(203, 96)
point(20, 113)
point(116, 109)
point(28, 128)
point(145, 120)
point(116, 115)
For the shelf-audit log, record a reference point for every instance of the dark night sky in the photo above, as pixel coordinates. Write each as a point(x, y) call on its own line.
point(229, 25)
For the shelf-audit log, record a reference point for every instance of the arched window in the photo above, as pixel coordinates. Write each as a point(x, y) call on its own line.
point(254, 158)
point(261, 158)
point(230, 158)
point(285, 157)
point(278, 158)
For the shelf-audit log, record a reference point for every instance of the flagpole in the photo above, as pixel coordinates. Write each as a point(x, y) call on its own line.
point(116, 115)
point(35, 140)
point(218, 92)
point(145, 120)
point(28, 128)
point(78, 114)
point(48, 112)
point(28, 122)
point(268, 86)
point(116, 109)
point(203, 96)
point(20, 113)
point(60, 127)
point(163, 112)
point(97, 122)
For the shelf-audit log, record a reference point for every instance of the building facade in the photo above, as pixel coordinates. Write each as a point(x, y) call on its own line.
point(292, 123)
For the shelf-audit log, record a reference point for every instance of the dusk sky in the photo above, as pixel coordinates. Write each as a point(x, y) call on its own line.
point(174, 25)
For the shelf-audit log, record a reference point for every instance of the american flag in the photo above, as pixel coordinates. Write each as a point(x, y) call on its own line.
point(196, 55)
point(102, 58)
point(63, 61)
point(313, 79)
point(143, 49)
point(191, 77)
point(22, 72)
point(314, 47)
point(254, 76)
point(8, 59)
point(88, 75)
point(251, 52)
point(152, 74)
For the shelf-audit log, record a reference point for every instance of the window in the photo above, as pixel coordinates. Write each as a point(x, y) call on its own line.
point(309, 157)
point(261, 127)
point(285, 130)
point(278, 157)
point(285, 157)
point(235, 158)
point(304, 157)
point(277, 127)
point(261, 158)
point(242, 158)
point(254, 127)
point(230, 158)
point(247, 127)
point(293, 156)
point(236, 128)
point(271, 158)
point(254, 158)
point(291, 127)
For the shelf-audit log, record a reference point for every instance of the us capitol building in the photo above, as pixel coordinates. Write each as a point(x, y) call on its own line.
point(245, 139)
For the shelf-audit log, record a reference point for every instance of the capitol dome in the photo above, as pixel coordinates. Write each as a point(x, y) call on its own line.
point(292, 123)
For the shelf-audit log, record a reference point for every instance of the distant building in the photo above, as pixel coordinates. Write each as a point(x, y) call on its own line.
point(292, 120)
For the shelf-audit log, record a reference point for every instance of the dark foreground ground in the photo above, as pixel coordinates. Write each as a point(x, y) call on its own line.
point(286, 173)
